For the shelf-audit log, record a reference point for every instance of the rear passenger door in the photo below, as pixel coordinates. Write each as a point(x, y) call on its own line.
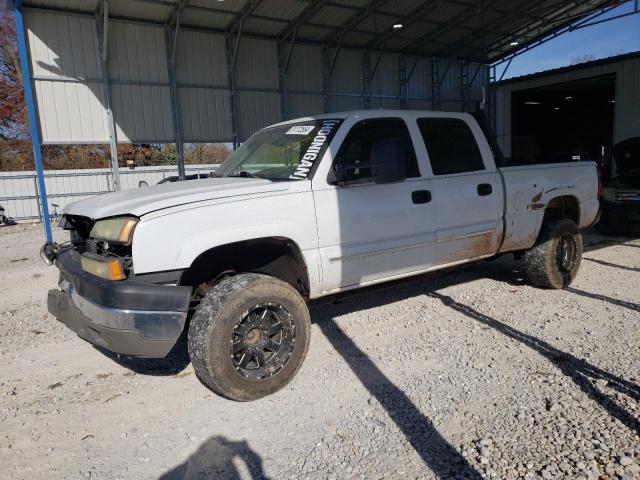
point(466, 192)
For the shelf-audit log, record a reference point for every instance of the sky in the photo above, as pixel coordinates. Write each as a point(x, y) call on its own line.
point(605, 40)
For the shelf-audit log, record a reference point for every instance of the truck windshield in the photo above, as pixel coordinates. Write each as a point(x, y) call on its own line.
point(286, 152)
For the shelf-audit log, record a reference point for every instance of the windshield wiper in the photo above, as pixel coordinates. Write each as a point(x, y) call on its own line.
point(245, 174)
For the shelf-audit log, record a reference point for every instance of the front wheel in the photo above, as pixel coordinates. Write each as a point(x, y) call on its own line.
point(249, 336)
point(554, 260)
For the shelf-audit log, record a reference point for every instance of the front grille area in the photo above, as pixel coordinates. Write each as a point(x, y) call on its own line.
point(81, 225)
point(92, 246)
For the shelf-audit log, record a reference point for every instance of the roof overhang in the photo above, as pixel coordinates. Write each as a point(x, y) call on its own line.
point(483, 31)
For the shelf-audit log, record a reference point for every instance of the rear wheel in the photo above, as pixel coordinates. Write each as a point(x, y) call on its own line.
point(249, 336)
point(554, 260)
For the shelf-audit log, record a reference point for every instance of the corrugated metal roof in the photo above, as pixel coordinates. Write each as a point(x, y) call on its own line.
point(460, 29)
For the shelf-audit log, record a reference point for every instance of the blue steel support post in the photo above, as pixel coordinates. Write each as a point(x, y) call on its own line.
point(33, 116)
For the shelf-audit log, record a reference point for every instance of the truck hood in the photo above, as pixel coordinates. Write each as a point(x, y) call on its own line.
point(141, 201)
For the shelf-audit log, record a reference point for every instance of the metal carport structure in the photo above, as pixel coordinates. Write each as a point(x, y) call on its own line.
point(191, 71)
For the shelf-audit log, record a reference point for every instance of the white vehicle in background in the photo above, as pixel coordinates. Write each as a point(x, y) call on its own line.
point(305, 209)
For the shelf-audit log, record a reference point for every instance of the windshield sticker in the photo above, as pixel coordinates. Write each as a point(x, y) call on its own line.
point(318, 144)
point(301, 130)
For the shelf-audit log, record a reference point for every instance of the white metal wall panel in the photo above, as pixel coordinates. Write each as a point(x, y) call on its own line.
point(391, 103)
point(200, 59)
point(62, 46)
point(305, 68)
point(257, 64)
point(142, 113)
point(201, 18)
point(420, 81)
point(451, 85)
point(475, 90)
point(418, 104)
point(64, 59)
point(136, 52)
point(71, 112)
point(347, 75)
point(341, 104)
point(206, 115)
point(303, 105)
point(387, 77)
point(136, 55)
point(141, 9)
point(256, 110)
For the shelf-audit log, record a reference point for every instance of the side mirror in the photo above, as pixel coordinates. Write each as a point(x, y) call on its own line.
point(142, 183)
point(388, 161)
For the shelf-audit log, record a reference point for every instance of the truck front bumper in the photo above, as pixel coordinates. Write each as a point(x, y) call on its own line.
point(128, 317)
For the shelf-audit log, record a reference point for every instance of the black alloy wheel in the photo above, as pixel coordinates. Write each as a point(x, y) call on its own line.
point(262, 341)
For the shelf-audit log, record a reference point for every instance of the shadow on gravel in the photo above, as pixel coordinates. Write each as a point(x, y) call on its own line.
point(594, 240)
point(582, 373)
point(176, 361)
point(597, 296)
point(434, 450)
point(612, 265)
point(215, 460)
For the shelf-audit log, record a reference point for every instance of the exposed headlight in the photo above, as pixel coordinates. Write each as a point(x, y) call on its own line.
point(107, 268)
point(115, 230)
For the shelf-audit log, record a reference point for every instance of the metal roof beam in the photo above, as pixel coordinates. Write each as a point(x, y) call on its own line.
point(309, 11)
point(407, 16)
point(241, 16)
point(413, 17)
point(540, 30)
point(339, 31)
point(449, 25)
point(567, 27)
point(487, 29)
point(101, 29)
point(535, 25)
point(174, 17)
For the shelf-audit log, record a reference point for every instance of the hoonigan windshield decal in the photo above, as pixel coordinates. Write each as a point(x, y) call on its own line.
point(318, 145)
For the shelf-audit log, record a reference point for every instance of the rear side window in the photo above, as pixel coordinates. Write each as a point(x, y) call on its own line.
point(451, 146)
point(356, 148)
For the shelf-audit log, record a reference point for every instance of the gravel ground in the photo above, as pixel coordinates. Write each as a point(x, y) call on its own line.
point(466, 374)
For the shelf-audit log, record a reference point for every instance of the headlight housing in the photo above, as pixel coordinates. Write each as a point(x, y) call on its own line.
point(114, 230)
point(107, 268)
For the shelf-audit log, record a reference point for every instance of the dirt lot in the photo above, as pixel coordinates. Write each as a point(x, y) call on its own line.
point(462, 374)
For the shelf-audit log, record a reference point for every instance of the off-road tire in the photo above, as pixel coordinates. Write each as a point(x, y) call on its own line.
point(542, 262)
point(215, 320)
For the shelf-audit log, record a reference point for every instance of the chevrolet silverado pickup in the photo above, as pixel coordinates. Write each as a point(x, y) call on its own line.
point(305, 209)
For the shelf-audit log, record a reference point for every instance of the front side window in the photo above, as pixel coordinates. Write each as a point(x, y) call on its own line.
point(354, 156)
point(451, 146)
point(287, 152)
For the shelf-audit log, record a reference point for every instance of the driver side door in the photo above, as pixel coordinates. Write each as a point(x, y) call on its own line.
point(371, 231)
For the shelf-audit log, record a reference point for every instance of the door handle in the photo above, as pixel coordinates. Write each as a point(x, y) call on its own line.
point(421, 196)
point(485, 189)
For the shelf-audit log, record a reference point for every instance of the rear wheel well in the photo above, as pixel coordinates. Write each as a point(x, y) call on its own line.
point(278, 257)
point(566, 206)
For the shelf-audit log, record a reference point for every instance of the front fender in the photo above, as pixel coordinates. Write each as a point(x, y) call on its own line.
point(173, 240)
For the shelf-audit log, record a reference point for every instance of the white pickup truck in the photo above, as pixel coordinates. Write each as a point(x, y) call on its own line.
point(305, 209)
